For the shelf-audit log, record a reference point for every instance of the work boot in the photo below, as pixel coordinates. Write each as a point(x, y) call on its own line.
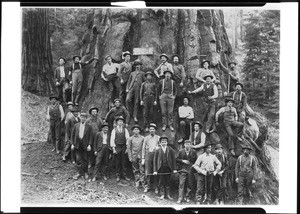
point(216, 202)
point(75, 177)
point(162, 197)
point(156, 191)
point(221, 202)
point(179, 201)
point(187, 199)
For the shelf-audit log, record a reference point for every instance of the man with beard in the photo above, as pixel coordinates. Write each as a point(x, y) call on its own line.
point(164, 66)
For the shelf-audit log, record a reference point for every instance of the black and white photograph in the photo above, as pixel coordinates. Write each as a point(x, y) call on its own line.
point(150, 107)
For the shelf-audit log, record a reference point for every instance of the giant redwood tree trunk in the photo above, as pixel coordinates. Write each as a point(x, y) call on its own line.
point(37, 72)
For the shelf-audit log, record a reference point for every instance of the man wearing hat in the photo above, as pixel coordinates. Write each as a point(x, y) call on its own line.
point(239, 97)
point(147, 97)
point(116, 111)
point(124, 73)
point(233, 74)
point(101, 146)
point(164, 66)
point(166, 93)
point(77, 78)
point(62, 78)
point(95, 122)
point(186, 158)
point(110, 75)
point(133, 86)
point(119, 136)
point(71, 120)
point(81, 142)
point(245, 173)
point(230, 122)
point(220, 180)
point(210, 94)
point(134, 150)
point(164, 164)
point(207, 166)
point(197, 137)
point(204, 71)
point(55, 114)
point(150, 144)
point(186, 115)
point(69, 113)
point(179, 78)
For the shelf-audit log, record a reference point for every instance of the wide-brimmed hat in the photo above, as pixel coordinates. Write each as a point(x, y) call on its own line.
point(149, 72)
point(126, 53)
point(119, 118)
point(92, 108)
point(231, 62)
point(228, 99)
point(53, 96)
point(107, 56)
point(206, 144)
point(153, 125)
point(247, 147)
point(76, 56)
point(63, 59)
point(205, 60)
point(164, 137)
point(208, 76)
point(136, 126)
point(104, 124)
point(199, 123)
point(175, 55)
point(238, 83)
point(117, 99)
point(218, 146)
point(137, 62)
point(189, 99)
point(70, 104)
point(169, 72)
point(165, 55)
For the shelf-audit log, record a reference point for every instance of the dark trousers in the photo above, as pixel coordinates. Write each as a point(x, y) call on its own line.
point(229, 126)
point(82, 160)
point(148, 109)
point(219, 186)
point(164, 180)
point(123, 92)
point(204, 186)
point(132, 100)
point(114, 88)
point(77, 79)
point(184, 184)
point(183, 125)
point(55, 129)
point(210, 114)
point(167, 106)
point(120, 160)
point(62, 90)
point(137, 171)
point(149, 170)
point(101, 161)
point(244, 185)
point(67, 150)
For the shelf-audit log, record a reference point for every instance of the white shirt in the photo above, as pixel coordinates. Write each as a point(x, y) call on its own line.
point(81, 130)
point(186, 112)
point(113, 136)
point(109, 69)
point(62, 71)
point(104, 138)
point(164, 149)
point(202, 87)
point(203, 137)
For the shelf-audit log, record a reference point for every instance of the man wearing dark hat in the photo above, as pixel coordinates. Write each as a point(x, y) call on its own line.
point(233, 74)
point(95, 122)
point(116, 111)
point(71, 120)
point(110, 75)
point(147, 97)
point(81, 142)
point(119, 136)
point(186, 115)
point(77, 78)
point(134, 150)
point(124, 73)
point(186, 158)
point(150, 144)
point(164, 164)
point(68, 112)
point(62, 78)
point(207, 166)
point(101, 146)
point(210, 94)
point(220, 180)
point(55, 114)
point(239, 97)
point(166, 93)
point(164, 66)
point(204, 71)
point(245, 173)
point(230, 122)
point(133, 86)
point(197, 137)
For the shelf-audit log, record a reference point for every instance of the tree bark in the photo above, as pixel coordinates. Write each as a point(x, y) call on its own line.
point(37, 72)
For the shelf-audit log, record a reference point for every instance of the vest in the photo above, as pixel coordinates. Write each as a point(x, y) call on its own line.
point(229, 115)
point(208, 90)
point(164, 159)
point(80, 68)
point(237, 99)
point(163, 86)
point(54, 112)
point(120, 138)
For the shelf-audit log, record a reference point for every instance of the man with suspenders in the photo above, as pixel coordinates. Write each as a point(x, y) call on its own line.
point(240, 99)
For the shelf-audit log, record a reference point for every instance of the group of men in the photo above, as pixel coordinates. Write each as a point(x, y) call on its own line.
point(90, 141)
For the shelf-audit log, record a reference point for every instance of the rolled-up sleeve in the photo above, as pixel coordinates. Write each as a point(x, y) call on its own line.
point(112, 138)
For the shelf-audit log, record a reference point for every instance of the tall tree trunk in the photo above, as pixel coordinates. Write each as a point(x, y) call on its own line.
point(37, 72)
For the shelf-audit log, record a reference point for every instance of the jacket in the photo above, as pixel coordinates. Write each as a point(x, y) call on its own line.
point(158, 156)
point(192, 157)
point(57, 78)
point(70, 123)
point(136, 76)
point(98, 141)
point(87, 136)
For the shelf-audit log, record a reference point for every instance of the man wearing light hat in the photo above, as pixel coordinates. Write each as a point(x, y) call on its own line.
point(110, 75)
point(164, 163)
point(204, 71)
point(230, 122)
point(136, 78)
point(166, 93)
point(77, 78)
point(62, 78)
point(124, 73)
point(245, 173)
point(233, 74)
point(147, 97)
point(164, 66)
